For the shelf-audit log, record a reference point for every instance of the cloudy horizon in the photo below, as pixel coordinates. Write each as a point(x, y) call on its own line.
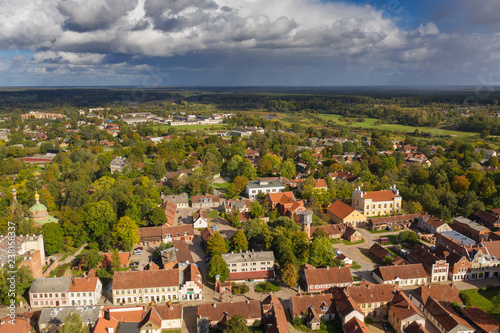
point(249, 43)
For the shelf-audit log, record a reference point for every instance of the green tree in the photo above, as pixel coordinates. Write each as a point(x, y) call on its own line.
point(157, 217)
point(53, 238)
point(217, 266)
point(22, 277)
point(73, 324)
point(289, 275)
point(98, 217)
point(321, 252)
point(237, 324)
point(216, 245)
point(256, 209)
point(239, 183)
point(287, 169)
point(76, 194)
point(231, 192)
point(92, 258)
point(116, 262)
point(126, 232)
point(408, 237)
point(239, 241)
point(158, 170)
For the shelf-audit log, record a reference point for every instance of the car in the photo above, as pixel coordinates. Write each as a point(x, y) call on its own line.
point(134, 265)
point(137, 251)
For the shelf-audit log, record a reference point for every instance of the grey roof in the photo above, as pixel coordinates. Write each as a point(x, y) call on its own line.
point(471, 224)
point(272, 183)
point(459, 237)
point(128, 328)
point(50, 285)
point(248, 256)
point(177, 199)
point(88, 314)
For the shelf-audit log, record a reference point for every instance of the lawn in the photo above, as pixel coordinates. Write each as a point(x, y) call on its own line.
point(346, 242)
point(482, 299)
point(355, 265)
point(214, 127)
point(370, 123)
point(221, 185)
point(266, 287)
point(213, 214)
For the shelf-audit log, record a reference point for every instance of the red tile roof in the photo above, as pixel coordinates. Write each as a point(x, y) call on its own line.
point(251, 275)
point(376, 196)
point(340, 209)
point(103, 325)
point(21, 325)
point(355, 326)
point(169, 208)
point(145, 279)
point(215, 312)
point(83, 284)
point(481, 319)
point(333, 275)
point(274, 316)
point(404, 272)
point(127, 315)
point(320, 183)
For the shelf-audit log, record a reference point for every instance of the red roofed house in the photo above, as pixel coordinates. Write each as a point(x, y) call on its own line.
point(339, 212)
point(321, 279)
point(162, 317)
point(84, 291)
point(377, 202)
point(170, 210)
point(16, 325)
point(321, 184)
point(273, 199)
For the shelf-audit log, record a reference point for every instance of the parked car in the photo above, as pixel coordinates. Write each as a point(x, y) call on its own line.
point(137, 251)
point(134, 264)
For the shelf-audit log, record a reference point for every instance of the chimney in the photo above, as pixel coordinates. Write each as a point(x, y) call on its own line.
point(214, 305)
point(110, 330)
point(327, 268)
point(248, 301)
point(73, 281)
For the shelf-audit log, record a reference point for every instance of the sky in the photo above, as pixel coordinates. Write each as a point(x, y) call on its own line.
point(153, 43)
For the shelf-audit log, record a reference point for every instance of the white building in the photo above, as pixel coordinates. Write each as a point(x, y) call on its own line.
point(118, 164)
point(250, 265)
point(192, 285)
point(84, 291)
point(162, 318)
point(200, 219)
point(255, 187)
point(401, 275)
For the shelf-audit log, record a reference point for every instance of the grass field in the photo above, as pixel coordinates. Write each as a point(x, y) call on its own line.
point(482, 299)
point(221, 185)
point(370, 123)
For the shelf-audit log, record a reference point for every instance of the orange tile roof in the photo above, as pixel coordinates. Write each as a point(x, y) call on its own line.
point(145, 279)
point(355, 326)
point(481, 319)
point(103, 325)
point(216, 311)
point(83, 284)
point(299, 304)
point(340, 209)
point(371, 293)
point(331, 275)
point(415, 327)
point(320, 183)
point(170, 209)
point(404, 272)
point(445, 293)
point(21, 325)
point(274, 315)
point(127, 315)
point(376, 196)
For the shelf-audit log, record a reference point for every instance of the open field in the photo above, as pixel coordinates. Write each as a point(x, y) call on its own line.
point(370, 123)
point(482, 299)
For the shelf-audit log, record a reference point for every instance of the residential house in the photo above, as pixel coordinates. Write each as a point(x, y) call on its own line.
point(355, 325)
point(135, 287)
point(392, 222)
point(178, 256)
point(15, 325)
point(339, 212)
point(470, 229)
point(49, 292)
point(478, 319)
point(118, 164)
point(232, 204)
point(373, 299)
point(456, 241)
point(52, 319)
point(378, 252)
point(191, 285)
point(273, 315)
point(431, 224)
point(161, 318)
point(207, 233)
point(415, 328)
point(402, 313)
point(322, 279)
point(459, 264)
point(447, 293)
point(323, 305)
point(402, 275)
point(165, 234)
point(200, 219)
point(180, 200)
point(84, 291)
point(347, 261)
point(250, 265)
point(352, 235)
point(283, 198)
point(486, 261)
point(436, 268)
point(488, 219)
point(258, 186)
point(377, 202)
point(170, 210)
point(206, 201)
point(343, 176)
point(444, 318)
point(320, 184)
point(217, 314)
point(398, 261)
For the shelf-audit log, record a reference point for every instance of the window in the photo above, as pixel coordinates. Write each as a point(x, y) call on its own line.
point(35, 295)
point(77, 294)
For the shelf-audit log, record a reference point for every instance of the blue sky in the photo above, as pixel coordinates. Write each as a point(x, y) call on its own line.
point(249, 42)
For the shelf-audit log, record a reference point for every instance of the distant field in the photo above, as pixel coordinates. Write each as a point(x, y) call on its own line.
point(214, 127)
point(370, 123)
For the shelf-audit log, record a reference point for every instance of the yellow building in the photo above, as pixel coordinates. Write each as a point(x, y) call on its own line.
point(377, 203)
point(339, 212)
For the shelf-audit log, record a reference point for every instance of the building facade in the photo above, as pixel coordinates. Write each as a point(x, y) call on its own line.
point(376, 203)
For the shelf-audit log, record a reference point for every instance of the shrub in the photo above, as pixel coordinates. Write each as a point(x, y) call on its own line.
point(266, 287)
